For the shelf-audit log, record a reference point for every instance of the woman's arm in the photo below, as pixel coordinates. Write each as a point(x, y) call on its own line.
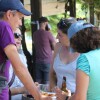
point(82, 82)
point(52, 78)
point(21, 71)
point(52, 74)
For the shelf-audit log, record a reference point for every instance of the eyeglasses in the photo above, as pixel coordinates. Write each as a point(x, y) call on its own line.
point(62, 23)
point(17, 35)
point(65, 23)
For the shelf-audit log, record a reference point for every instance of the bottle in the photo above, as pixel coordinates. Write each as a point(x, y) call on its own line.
point(63, 88)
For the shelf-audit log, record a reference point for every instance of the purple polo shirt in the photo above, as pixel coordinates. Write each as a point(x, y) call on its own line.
point(6, 38)
point(42, 42)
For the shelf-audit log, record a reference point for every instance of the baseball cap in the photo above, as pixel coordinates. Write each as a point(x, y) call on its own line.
point(77, 26)
point(43, 19)
point(13, 5)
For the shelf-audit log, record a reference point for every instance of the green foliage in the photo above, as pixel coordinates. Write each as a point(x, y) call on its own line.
point(84, 7)
point(79, 1)
point(27, 23)
point(97, 4)
point(53, 20)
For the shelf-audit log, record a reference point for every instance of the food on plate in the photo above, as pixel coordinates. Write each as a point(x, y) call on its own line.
point(51, 94)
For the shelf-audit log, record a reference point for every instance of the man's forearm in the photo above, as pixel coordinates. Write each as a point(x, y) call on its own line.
point(26, 79)
point(18, 90)
point(21, 71)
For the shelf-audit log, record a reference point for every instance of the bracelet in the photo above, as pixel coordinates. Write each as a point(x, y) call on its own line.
point(67, 98)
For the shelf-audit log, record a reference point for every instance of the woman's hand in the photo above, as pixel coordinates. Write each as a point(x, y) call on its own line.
point(61, 95)
point(46, 98)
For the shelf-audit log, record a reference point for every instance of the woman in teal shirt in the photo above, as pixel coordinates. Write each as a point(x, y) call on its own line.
point(85, 39)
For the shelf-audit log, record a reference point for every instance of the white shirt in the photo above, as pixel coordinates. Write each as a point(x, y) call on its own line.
point(67, 70)
point(17, 82)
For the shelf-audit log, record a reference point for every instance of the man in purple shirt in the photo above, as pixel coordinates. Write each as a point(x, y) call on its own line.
point(5, 40)
point(44, 44)
point(11, 13)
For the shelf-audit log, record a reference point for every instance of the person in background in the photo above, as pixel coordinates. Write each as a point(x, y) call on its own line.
point(11, 14)
point(64, 61)
point(16, 86)
point(44, 44)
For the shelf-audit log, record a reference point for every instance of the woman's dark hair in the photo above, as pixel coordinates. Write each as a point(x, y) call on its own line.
point(64, 24)
point(86, 40)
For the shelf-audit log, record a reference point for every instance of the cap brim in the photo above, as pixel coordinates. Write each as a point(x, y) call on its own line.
point(25, 12)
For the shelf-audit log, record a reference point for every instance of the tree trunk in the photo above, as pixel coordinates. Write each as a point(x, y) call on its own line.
point(98, 18)
point(36, 9)
point(72, 4)
point(91, 9)
point(26, 52)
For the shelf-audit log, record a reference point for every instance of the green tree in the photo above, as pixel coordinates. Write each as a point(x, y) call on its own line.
point(96, 4)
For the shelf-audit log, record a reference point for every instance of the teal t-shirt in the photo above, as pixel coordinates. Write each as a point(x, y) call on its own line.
point(89, 63)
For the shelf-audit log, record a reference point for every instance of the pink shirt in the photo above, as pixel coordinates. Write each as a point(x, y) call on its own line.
point(42, 42)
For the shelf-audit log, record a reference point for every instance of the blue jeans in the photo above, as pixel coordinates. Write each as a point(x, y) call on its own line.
point(42, 72)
